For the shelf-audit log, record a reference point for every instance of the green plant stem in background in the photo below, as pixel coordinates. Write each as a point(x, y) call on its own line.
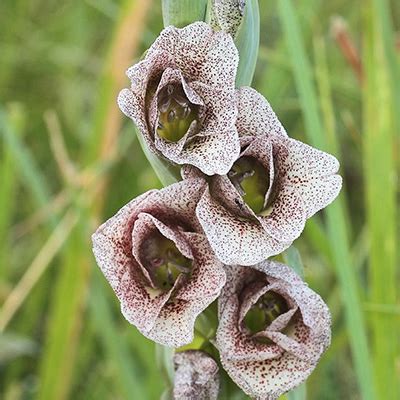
point(8, 172)
point(64, 327)
point(336, 222)
point(128, 382)
point(26, 163)
point(380, 177)
point(180, 13)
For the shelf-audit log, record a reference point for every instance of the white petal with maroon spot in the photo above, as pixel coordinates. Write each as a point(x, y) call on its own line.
point(207, 63)
point(165, 319)
point(174, 325)
point(287, 217)
point(310, 171)
point(300, 344)
point(255, 115)
point(235, 240)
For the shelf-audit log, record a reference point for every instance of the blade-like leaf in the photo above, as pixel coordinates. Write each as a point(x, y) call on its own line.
point(247, 41)
point(180, 13)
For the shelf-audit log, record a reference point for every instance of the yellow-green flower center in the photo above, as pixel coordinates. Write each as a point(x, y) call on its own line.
point(251, 180)
point(268, 307)
point(176, 113)
point(164, 261)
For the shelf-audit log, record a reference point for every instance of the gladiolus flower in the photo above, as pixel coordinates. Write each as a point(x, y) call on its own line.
point(159, 264)
point(272, 329)
point(182, 98)
point(261, 205)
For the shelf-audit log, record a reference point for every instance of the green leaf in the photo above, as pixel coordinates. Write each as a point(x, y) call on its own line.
point(247, 41)
point(180, 13)
point(166, 172)
point(164, 358)
point(24, 159)
point(117, 351)
point(292, 258)
point(300, 393)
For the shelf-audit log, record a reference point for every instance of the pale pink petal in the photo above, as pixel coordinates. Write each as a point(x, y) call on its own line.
point(112, 242)
point(219, 109)
point(196, 376)
point(134, 108)
point(212, 152)
point(201, 53)
point(312, 172)
point(255, 115)
point(300, 344)
point(231, 341)
point(166, 317)
point(208, 276)
point(268, 379)
point(140, 304)
point(235, 240)
point(174, 325)
point(287, 216)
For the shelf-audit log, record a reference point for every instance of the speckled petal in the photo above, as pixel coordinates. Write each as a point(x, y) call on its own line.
point(212, 145)
point(214, 152)
point(112, 242)
point(166, 317)
point(230, 340)
point(132, 106)
point(267, 380)
point(174, 325)
point(312, 172)
point(196, 376)
point(235, 240)
point(288, 216)
point(201, 53)
point(300, 344)
point(205, 61)
point(255, 115)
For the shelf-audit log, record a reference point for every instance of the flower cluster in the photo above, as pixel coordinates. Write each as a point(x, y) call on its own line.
point(247, 190)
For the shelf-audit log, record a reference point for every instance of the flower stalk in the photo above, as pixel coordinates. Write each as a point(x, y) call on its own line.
point(246, 190)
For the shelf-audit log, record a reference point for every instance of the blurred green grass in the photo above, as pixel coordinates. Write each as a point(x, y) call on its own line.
point(70, 160)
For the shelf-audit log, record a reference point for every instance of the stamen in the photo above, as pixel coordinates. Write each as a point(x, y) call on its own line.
point(164, 261)
point(269, 307)
point(171, 115)
point(176, 113)
point(157, 262)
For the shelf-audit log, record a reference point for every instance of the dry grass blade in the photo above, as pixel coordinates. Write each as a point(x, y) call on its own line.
point(36, 268)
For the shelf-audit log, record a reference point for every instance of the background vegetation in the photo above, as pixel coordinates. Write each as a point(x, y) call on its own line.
point(69, 160)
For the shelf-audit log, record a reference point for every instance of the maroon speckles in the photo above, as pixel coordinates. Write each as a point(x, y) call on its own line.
point(196, 376)
point(203, 63)
point(165, 316)
point(296, 338)
point(302, 180)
